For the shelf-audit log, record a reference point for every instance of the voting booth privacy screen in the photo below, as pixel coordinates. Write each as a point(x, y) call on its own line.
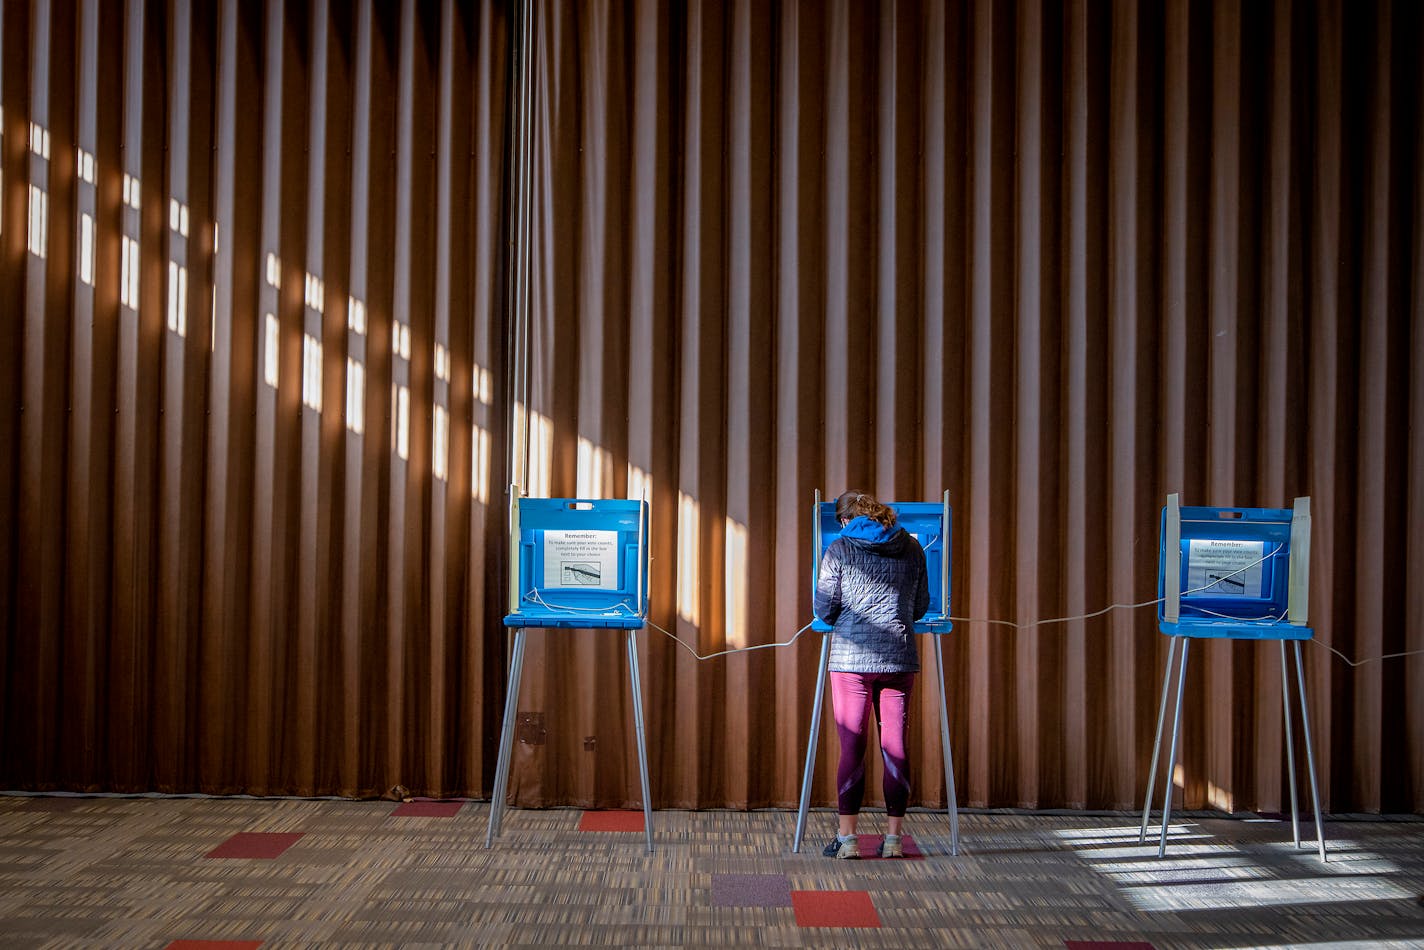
point(1235, 574)
point(930, 524)
point(1231, 568)
point(575, 563)
point(579, 563)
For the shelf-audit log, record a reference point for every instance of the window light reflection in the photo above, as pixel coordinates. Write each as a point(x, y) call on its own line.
point(400, 417)
point(594, 469)
point(314, 293)
point(213, 336)
point(84, 165)
point(440, 445)
point(270, 351)
point(311, 372)
point(480, 384)
point(86, 248)
point(1237, 877)
point(1185, 895)
point(355, 396)
point(177, 298)
point(128, 274)
point(177, 217)
point(688, 558)
point(400, 339)
point(539, 440)
point(480, 465)
point(39, 140)
point(736, 579)
point(38, 239)
point(356, 316)
point(640, 483)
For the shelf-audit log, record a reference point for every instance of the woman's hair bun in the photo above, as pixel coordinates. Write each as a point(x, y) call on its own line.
point(856, 503)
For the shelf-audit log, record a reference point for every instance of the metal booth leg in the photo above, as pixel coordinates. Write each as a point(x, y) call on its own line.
point(1290, 746)
point(1157, 743)
point(948, 755)
point(811, 742)
point(637, 686)
point(506, 739)
point(1172, 756)
point(1309, 752)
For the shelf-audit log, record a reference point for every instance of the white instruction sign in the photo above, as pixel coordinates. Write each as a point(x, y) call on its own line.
point(1225, 568)
point(581, 559)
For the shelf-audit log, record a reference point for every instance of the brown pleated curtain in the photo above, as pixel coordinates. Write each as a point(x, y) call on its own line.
point(264, 374)
point(251, 395)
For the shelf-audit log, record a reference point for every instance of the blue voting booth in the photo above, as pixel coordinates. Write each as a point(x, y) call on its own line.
point(580, 564)
point(1236, 574)
point(930, 523)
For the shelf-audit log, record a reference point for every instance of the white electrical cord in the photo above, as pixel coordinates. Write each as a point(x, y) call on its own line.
point(534, 596)
point(712, 656)
point(1146, 603)
point(1372, 659)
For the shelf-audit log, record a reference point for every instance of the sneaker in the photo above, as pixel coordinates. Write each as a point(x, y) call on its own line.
point(891, 848)
point(845, 850)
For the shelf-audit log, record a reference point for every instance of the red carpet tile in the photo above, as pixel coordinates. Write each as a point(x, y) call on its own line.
point(427, 810)
point(214, 945)
point(255, 844)
point(611, 821)
point(1108, 945)
point(834, 909)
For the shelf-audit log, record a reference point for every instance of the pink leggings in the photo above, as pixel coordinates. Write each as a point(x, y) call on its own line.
point(853, 695)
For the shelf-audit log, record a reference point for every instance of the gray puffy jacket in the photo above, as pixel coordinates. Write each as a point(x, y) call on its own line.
point(872, 588)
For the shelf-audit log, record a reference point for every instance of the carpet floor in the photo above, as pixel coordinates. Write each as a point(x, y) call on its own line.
point(240, 873)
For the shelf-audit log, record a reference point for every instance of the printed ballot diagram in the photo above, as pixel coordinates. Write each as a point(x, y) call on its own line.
point(582, 574)
point(1230, 568)
point(581, 559)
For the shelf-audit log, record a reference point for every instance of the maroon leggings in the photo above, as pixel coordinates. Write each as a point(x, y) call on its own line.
point(853, 695)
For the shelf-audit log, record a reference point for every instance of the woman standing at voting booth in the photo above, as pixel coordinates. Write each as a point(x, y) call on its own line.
point(871, 589)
